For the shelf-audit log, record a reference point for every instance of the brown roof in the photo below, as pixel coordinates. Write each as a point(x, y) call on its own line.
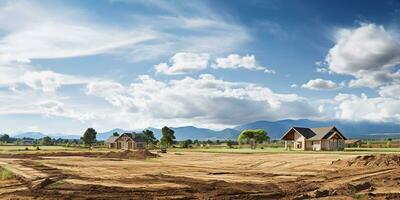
point(316, 133)
point(354, 141)
point(134, 136)
point(112, 139)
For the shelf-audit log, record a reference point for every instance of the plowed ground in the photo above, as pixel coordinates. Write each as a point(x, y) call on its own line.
point(196, 175)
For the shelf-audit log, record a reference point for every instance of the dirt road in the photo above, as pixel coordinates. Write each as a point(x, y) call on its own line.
point(195, 175)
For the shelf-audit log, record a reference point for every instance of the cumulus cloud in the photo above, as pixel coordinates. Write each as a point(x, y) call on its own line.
point(207, 100)
point(390, 91)
point(235, 61)
point(369, 53)
point(378, 109)
point(320, 84)
point(182, 63)
point(57, 108)
point(49, 81)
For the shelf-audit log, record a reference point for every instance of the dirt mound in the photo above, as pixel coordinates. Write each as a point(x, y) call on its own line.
point(128, 154)
point(380, 160)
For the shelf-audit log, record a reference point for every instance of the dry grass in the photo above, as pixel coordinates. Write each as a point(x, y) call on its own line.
point(6, 174)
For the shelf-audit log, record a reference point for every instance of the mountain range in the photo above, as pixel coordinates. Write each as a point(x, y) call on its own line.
point(275, 129)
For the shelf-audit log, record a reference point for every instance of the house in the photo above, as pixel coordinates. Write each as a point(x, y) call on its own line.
point(322, 138)
point(126, 141)
point(353, 143)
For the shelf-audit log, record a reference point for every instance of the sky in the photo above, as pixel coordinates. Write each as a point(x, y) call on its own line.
point(132, 64)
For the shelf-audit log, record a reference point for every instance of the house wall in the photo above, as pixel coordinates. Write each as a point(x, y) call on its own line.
point(299, 140)
point(333, 144)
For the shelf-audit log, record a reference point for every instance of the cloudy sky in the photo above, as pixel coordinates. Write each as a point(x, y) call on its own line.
point(69, 65)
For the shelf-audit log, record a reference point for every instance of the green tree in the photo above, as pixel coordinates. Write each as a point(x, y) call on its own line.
point(115, 134)
point(229, 144)
point(186, 143)
point(167, 137)
point(149, 137)
point(47, 140)
point(89, 137)
point(253, 137)
point(5, 138)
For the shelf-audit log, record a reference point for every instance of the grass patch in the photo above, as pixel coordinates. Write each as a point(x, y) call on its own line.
point(6, 174)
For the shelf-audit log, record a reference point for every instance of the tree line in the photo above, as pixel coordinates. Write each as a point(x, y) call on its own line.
point(168, 139)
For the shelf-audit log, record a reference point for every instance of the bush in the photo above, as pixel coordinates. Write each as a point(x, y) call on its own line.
point(26, 148)
point(6, 174)
point(37, 148)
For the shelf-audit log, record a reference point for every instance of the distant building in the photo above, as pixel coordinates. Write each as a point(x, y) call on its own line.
point(28, 141)
point(353, 143)
point(322, 138)
point(126, 141)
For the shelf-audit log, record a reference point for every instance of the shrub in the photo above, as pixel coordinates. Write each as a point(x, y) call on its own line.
point(37, 148)
point(26, 148)
point(6, 174)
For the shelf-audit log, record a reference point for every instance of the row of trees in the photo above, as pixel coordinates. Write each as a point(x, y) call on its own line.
point(252, 137)
point(167, 137)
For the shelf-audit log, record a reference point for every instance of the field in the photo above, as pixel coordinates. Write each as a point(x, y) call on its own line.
point(199, 174)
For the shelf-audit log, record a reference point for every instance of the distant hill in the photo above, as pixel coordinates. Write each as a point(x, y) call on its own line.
point(194, 133)
point(39, 135)
point(34, 135)
point(105, 135)
point(350, 129)
point(275, 129)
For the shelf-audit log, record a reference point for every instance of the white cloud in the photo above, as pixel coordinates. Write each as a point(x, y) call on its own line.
point(57, 108)
point(294, 86)
point(369, 53)
point(33, 31)
point(112, 92)
point(320, 84)
point(182, 63)
point(49, 81)
point(390, 91)
point(357, 108)
point(206, 100)
point(235, 61)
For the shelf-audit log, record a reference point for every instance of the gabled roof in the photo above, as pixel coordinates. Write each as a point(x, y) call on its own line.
point(318, 133)
point(134, 136)
point(112, 139)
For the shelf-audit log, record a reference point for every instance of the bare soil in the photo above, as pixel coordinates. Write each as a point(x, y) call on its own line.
point(195, 175)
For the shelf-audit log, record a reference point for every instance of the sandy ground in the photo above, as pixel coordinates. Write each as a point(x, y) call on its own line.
point(197, 175)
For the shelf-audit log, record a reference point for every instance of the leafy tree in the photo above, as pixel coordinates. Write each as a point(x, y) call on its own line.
point(186, 143)
point(5, 138)
point(115, 134)
point(47, 140)
point(149, 137)
point(167, 137)
point(229, 143)
point(89, 137)
point(253, 137)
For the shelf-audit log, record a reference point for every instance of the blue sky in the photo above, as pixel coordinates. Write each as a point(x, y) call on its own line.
point(69, 65)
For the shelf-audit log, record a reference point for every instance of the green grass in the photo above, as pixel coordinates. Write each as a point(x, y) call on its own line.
point(282, 150)
point(6, 174)
point(32, 149)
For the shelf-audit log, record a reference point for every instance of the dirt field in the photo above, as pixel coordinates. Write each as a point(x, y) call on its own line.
point(200, 175)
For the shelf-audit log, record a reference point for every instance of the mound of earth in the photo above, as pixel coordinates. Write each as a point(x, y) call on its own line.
point(380, 160)
point(128, 154)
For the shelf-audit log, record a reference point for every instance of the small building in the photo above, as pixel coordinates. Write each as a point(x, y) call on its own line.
point(126, 141)
point(353, 143)
point(322, 138)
